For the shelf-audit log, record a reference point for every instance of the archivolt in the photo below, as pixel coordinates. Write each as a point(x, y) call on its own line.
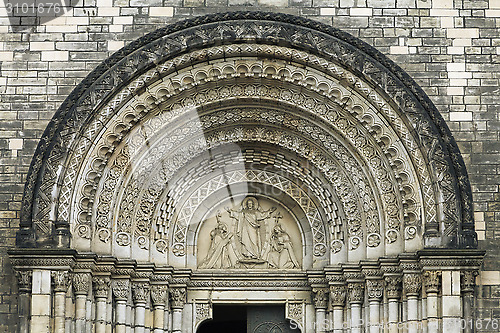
point(369, 79)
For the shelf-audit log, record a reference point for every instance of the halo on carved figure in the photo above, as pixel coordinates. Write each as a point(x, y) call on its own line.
point(85, 113)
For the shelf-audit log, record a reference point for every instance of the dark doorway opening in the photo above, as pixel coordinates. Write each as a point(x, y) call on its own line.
point(251, 319)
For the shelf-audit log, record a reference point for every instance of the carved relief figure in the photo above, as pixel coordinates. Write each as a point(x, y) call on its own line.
point(221, 253)
point(279, 252)
point(255, 243)
point(250, 222)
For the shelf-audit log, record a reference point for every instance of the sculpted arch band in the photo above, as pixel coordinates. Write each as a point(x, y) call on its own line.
point(246, 158)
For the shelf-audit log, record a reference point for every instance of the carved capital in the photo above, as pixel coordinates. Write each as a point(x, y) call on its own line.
point(159, 294)
point(412, 283)
point(468, 280)
point(431, 281)
point(320, 298)
point(60, 280)
point(375, 289)
point(24, 280)
point(121, 289)
point(338, 295)
point(140, 292)
point(101, 286)
point(393, 286)
point(356, 292)
point(177, 297)
point(81, 283)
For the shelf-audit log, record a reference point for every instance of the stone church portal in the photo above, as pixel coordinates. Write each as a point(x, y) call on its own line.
point(254, 162)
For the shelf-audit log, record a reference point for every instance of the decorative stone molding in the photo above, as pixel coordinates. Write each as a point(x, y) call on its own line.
point(121, 288)
point(177, 297)
point(356, 292)
point(338, 295)
point(159, 294)
point(295, 312)
point(412, 283)
point(140, 292)
point(101, 286)
point(431, 281)
point(60, 280)
point(375, 289)
point(81, 283)
point(320, 298)
point(203, 311)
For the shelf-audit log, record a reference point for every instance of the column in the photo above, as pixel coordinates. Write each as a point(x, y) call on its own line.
point(159, 298)
point(40, 301)
point(81, 287)
point(140, 295)
point(431, 285)
point(60, 280)
point(121, 289)
point(412, 283)
point(320, 304)
point(101, 287)
point(468, 286)
point(393, 289)
point(356, 297)
point(337, 299)
point(24, 282)
point(375, 289)
point(177, 301)
point(451, 298)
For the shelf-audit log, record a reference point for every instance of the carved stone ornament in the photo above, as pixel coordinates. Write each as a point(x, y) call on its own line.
point(140, 292)
point(89, 116)
point(81, 283)
point(432, 281)
point(393, 287)
point(60, 280)
point(338, 295)
point(177, 297)
point(356, 292)
point(321, 297)
point(468, 280)
point(101, 286)
point(203, 311)
point(295, 312)
point(375, 289)
point(412, 283)
point(159, 294)
point(121, 289)
point(24, 280)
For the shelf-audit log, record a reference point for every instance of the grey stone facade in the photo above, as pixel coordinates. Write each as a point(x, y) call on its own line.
point(451, 48)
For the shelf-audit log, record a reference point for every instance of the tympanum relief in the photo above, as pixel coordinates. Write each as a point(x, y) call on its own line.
point(252, 233)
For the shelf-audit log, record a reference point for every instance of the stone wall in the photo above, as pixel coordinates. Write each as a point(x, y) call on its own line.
point(451, 48)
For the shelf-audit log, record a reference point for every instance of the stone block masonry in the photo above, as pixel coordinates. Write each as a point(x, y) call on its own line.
point(451, 48)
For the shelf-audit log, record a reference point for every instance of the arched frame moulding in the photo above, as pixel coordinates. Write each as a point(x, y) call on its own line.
point(337, 86)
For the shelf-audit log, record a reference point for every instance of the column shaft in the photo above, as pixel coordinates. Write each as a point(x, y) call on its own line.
point(121, 316)
point(59, 311)
point(80, 310)
point(393, 315)
point(338, 319)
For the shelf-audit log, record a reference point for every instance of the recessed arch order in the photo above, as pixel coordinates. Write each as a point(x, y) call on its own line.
point(283, 96)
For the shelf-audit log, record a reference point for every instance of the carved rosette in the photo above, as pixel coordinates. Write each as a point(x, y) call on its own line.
point(177, 297)
point(393, 287)
point(202, 312)
point(140, 292)
point(81, 283)
point(24, 279)
point(159, 295)
point(412, 283)
point(431, 281)
point(60, 280)
point(468, 281)
point(320, 298)
point(121, 289)
point(338, 295)
point(101, 286)
point(375, 289)
point(356, 292)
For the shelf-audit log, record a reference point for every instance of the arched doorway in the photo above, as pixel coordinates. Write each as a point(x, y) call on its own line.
point(247, 158)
